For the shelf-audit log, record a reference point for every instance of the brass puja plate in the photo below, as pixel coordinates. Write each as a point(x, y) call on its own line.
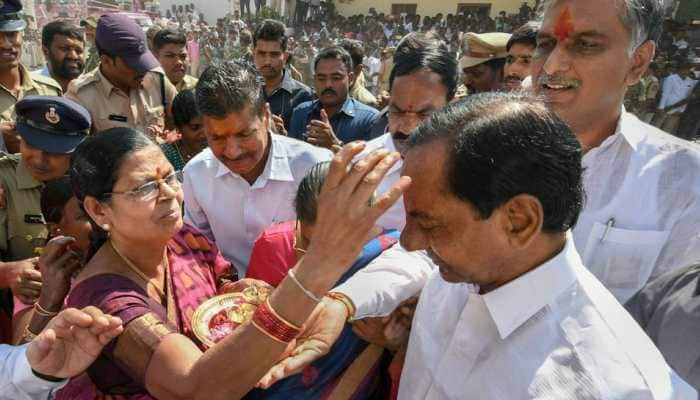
point(219, 316)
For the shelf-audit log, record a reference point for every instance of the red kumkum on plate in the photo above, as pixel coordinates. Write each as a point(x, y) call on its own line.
point(219, 316)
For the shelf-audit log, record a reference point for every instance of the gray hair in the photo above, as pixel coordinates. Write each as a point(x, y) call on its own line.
point(643, 19)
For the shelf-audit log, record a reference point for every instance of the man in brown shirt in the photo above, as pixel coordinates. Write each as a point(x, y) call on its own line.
point(128, 89)
point(15, 80)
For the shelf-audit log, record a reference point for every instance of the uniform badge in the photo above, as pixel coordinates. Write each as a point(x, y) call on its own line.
point(33, 219)
point(51, 115)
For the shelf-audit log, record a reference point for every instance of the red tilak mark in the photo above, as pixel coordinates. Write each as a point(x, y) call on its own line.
point(565, 25)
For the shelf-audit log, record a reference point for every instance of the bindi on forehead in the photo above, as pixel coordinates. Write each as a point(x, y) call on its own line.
point(564, 27)
point(160, 172)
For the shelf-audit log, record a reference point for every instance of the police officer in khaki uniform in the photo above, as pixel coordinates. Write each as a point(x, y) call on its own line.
point(15, 80)
point(129, 89)
point(50, 127)
point(482, 62)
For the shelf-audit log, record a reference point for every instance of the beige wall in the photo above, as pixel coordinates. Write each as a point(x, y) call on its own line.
point(425, 7)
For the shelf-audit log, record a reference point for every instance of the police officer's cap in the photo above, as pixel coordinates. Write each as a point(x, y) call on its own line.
point(51, 123)
point(10, 18)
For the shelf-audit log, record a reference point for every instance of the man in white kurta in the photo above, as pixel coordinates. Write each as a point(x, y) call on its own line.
point(512, 312)
point(553, 333)
point(642, 210)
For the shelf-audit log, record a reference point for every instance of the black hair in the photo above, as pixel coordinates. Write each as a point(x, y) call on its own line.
point(94, 169)
point(306, 199)
point(335, 53)
point(60, 28)
point(271, 30)
point(230, 87)
point(168, 36)
point(185, 107)
point(525, 35)
point(54, 197)
point(355, 49)
point(419, 51)
point(501, 145)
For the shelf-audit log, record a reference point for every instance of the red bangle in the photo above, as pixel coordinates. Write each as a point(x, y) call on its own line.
point(273, 325)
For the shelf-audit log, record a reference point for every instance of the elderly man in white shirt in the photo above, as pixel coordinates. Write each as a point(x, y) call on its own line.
point(642, 209)
point(38, 369)
point(247, 178)
point(513, 313)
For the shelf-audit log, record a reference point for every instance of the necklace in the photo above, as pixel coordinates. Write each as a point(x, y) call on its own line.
point(184, 158)
point(140, 273)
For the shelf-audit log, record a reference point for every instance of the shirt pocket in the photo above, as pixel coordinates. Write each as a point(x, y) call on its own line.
point(25, 237)
point(623, 259)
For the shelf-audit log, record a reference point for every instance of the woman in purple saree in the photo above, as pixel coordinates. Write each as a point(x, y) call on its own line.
point(133, 199)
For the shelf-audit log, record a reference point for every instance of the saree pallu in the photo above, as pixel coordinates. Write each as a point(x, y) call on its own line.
point(321, 378)
point(196, 270)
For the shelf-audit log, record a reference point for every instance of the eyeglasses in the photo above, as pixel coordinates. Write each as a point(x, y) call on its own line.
point(151, 190)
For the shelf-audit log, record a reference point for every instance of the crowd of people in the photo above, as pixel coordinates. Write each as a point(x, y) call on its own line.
point(438, 208)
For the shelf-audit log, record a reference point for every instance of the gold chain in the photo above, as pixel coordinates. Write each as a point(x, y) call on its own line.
point(140, 273)
point(182, 156)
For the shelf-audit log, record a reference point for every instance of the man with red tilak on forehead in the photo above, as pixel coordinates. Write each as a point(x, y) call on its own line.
point(642, 209)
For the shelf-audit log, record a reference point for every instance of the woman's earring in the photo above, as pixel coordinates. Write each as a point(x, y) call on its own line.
point(105, 227)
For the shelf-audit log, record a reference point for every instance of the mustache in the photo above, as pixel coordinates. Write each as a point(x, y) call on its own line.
point(79, 63)
point(557, 80)
point(328, 91)
point(398, 135)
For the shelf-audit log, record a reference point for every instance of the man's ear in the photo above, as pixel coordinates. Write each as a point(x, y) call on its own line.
point(640, 62)
point(524, 217)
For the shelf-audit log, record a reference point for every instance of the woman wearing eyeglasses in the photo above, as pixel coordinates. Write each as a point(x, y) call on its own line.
point(133, 198)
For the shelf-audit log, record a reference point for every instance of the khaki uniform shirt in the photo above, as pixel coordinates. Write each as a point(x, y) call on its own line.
point(188, 82)
point(22, 227)
point(110, 107)
point(360, 92)
point(32, 84)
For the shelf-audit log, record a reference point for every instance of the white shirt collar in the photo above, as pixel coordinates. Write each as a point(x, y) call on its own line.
point(277, 166)
point(512, 304)
point(629, 128)
point(389, 145)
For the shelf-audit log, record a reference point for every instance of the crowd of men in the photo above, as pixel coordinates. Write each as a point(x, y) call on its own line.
point(549, 239)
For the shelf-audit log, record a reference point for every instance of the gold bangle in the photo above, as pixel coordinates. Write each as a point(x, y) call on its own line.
point(44, 312)
point(347, 302)
point(284, 320)
point(266, 333)
point(28, 335)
